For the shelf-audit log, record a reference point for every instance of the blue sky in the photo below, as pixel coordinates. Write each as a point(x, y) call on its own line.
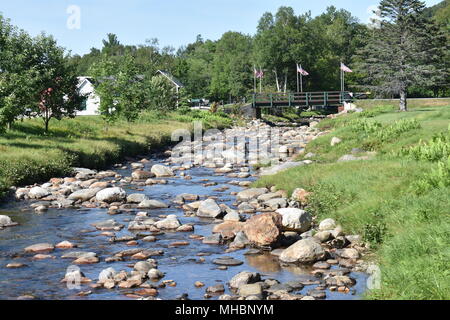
point(173, 22)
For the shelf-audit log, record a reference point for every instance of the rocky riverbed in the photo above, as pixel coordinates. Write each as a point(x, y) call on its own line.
point(180, 225)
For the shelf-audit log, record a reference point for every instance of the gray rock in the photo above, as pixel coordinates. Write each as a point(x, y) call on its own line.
point(38, 193)
point(143, 266)
point(227, 261)
point(276, 203)
point(6, 221)
point(335, 141)
point(84, 194)
point(303, 251)
point(253, 289)
point(209, 209)
point(250, 194)
point(136, 198)
point(106, 275)
point(155, 274)
point(110, 195)
point(170, 222)
point(323, 236)
point(281, 167)
point(240, 240)
point(162, 171)
point(78, 254)
point(327, 224)
point(110, 224)
point(152, 204)
point(232, 216)
point(218, 288)
point(295, 219)
point(244, 277)
point(213, 239)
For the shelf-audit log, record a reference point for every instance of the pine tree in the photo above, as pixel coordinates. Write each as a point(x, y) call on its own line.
point(402, 50)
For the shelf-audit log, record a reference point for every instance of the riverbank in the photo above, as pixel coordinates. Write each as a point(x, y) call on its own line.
point(373, 174)
point(28, 155)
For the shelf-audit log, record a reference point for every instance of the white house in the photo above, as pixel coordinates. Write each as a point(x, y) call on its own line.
point(91, 102)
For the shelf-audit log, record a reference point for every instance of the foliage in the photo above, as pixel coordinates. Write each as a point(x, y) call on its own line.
point(407, 50)
point(162, 96)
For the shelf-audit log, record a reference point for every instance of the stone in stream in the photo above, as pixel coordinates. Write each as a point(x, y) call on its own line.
point(244, 277)
point(136, 198)
point(253, 289)
point(348, 253)
point(170, 222)
point(39, 248)
point(209, 209)
point(6, 221)
point(228, 229)
point(108, 225)
point(263, 229)
point(142, 175)
point(38, 193)
point(182, 198)
point(155, 274)
point(78, 254)
point(106, 275)
point(84, 194)
point(185, 228)
point(303, 251)
point(240, 241)
point(276, 203)
point(143, 266)
point(86, 260)
point(65, 245)
point(250, 194)
point(227, 261)
point(215, 239)
point(218, 288)
point(110, 195)
point(232, 216)
point(162, 171)
point(295, 219)
point(15, 265)
point(152, 204)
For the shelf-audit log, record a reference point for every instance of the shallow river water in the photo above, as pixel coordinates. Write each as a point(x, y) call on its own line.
point(41, 279)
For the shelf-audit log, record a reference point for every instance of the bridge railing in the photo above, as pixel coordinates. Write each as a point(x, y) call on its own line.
point(306, 99)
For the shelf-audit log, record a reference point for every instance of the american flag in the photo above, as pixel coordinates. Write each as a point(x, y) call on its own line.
point(259, 74)
point(345, 68)
point(302, 71)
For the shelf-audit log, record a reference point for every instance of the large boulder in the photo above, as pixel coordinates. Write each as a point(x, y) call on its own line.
point(263, 229)
point(162, 171)
point(303, 251)
point(84, 194)
point(209, 209)
point(249, 194)
point(38, 193)
point(110, 195)
point(295, 219)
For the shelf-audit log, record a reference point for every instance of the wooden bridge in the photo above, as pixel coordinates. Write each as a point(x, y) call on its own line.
point(301, 99)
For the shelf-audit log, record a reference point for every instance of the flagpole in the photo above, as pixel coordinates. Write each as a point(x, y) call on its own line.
point(260, 79)
point(301, 80)
point(340, 68)
point(297, 78)
point(254, 78)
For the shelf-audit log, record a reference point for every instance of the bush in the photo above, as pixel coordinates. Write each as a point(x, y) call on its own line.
point(435, 150)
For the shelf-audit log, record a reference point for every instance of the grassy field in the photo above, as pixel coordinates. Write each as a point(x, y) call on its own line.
point(399, 200)
point(28, 155)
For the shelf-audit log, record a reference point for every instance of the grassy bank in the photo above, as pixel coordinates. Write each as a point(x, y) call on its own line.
point(398, 200)
point(28, 155)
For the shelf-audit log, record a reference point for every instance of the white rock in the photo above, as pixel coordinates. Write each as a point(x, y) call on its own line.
point(327, 224)
point(295, 219)
point(162, 171)
point(109, 195)
point(106, 274)
point(38, 193)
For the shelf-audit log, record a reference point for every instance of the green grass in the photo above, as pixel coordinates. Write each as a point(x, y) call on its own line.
point(28, 155)
point(398, 201)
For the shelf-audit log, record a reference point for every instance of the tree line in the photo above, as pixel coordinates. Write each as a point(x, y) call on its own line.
point(404, 53)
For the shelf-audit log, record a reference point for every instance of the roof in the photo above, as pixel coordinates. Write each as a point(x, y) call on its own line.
point(172, 79)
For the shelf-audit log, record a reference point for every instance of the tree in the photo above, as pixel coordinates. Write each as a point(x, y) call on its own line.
point(397, 56)
point(232, 67)
point(17, 77)
point(56, 82)
point(162, 95)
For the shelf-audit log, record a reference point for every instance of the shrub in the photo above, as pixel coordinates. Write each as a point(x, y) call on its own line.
point(437, 149)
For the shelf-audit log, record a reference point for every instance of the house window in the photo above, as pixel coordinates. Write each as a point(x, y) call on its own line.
point(83, 106)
